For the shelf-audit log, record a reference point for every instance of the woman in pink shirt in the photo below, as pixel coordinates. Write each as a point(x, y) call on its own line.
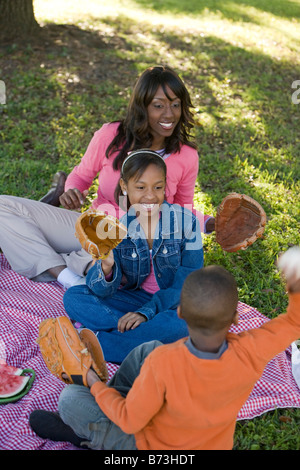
point(159, 118)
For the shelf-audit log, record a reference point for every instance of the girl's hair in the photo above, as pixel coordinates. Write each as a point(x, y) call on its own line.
point(133, 131)
point(134, 166)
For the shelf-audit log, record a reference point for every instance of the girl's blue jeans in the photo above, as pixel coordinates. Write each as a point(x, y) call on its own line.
point(77, 406)
point(101, 315)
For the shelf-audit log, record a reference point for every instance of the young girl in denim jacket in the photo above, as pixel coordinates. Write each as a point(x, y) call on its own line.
point(131, 297)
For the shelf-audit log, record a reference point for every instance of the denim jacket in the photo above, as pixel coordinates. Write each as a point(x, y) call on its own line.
point(176, 252)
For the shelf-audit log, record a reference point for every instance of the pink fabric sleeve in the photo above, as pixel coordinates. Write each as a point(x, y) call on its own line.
point(82, 175)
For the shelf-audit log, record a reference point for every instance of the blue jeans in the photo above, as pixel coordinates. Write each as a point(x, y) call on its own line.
point(77, 406)
point(102, 315)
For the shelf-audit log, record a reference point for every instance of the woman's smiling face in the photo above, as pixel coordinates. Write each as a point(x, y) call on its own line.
point(163, 115)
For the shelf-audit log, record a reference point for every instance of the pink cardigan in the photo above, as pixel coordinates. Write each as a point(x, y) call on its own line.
point(182, 171)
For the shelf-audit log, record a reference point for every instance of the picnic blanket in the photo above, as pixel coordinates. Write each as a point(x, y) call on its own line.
point(24, 304)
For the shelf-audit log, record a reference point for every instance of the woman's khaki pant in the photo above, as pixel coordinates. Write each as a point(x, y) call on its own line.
point(35, 237)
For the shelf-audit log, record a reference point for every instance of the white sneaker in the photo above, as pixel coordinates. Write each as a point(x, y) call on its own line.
point(69, 279)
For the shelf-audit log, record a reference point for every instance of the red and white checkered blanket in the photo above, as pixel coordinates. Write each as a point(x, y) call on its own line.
point(24, 304)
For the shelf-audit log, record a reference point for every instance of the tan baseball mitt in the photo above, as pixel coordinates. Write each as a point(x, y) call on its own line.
point(240, 220)
point(69, 355)
point(99, 233)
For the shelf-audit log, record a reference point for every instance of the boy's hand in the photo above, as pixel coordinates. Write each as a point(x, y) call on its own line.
point(130, 320)
point(289, 264)
point(92, 377)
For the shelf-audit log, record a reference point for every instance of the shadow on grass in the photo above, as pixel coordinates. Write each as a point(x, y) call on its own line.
point(70, 47)
point(262, 133)
point(60, 87)
point(234, 10)
point(264, 128)
point(64, 85)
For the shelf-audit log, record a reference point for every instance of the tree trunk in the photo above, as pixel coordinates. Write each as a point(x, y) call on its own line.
point(17, 20)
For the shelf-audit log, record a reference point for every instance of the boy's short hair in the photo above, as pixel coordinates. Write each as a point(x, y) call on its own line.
point(209, 299)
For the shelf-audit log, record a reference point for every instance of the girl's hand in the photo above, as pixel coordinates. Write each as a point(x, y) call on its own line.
point(73, 199)
point(130, 320)
point(107, 263)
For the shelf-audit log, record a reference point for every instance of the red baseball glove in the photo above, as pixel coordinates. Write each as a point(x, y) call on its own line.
point(240, 221)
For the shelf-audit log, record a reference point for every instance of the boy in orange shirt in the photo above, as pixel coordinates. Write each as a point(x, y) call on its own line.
point(184, 395)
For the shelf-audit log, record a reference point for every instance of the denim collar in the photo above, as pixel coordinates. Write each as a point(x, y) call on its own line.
point(168, 222)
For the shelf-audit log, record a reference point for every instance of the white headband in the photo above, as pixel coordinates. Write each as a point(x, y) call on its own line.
point(137, 152)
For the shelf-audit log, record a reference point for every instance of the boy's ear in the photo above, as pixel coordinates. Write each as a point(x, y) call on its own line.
point(179, 311)
point(235, 318)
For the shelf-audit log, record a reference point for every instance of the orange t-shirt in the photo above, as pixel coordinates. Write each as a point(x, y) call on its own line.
point(179, 401)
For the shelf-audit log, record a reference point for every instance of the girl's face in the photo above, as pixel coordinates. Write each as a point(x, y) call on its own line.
point(163, 115)
point(147, 192)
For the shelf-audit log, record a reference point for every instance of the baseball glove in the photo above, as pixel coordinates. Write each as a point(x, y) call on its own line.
point(99, 233)
point(69, 355)
point(240, 220)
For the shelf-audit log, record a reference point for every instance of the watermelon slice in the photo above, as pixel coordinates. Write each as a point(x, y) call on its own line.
point(10, 369)
point(12, 384)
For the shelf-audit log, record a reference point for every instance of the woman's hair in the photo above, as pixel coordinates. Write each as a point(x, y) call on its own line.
point(135, 164)
point(133, 131)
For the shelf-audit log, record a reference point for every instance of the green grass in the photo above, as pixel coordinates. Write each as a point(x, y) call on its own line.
point(238, 59)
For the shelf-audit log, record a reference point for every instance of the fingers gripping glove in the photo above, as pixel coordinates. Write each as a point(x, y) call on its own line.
point(99, 233)
point(240, 220)
point(69, 355)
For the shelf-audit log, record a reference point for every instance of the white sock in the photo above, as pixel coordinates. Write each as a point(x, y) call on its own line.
point(68, 279)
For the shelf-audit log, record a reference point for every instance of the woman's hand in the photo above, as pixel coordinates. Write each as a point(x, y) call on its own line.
point(211, 225)
point(73, 199)
point(130, 320)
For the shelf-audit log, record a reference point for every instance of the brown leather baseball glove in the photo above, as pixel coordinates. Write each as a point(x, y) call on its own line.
point(99, 233)
point(240, 220)
point(69, 355)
